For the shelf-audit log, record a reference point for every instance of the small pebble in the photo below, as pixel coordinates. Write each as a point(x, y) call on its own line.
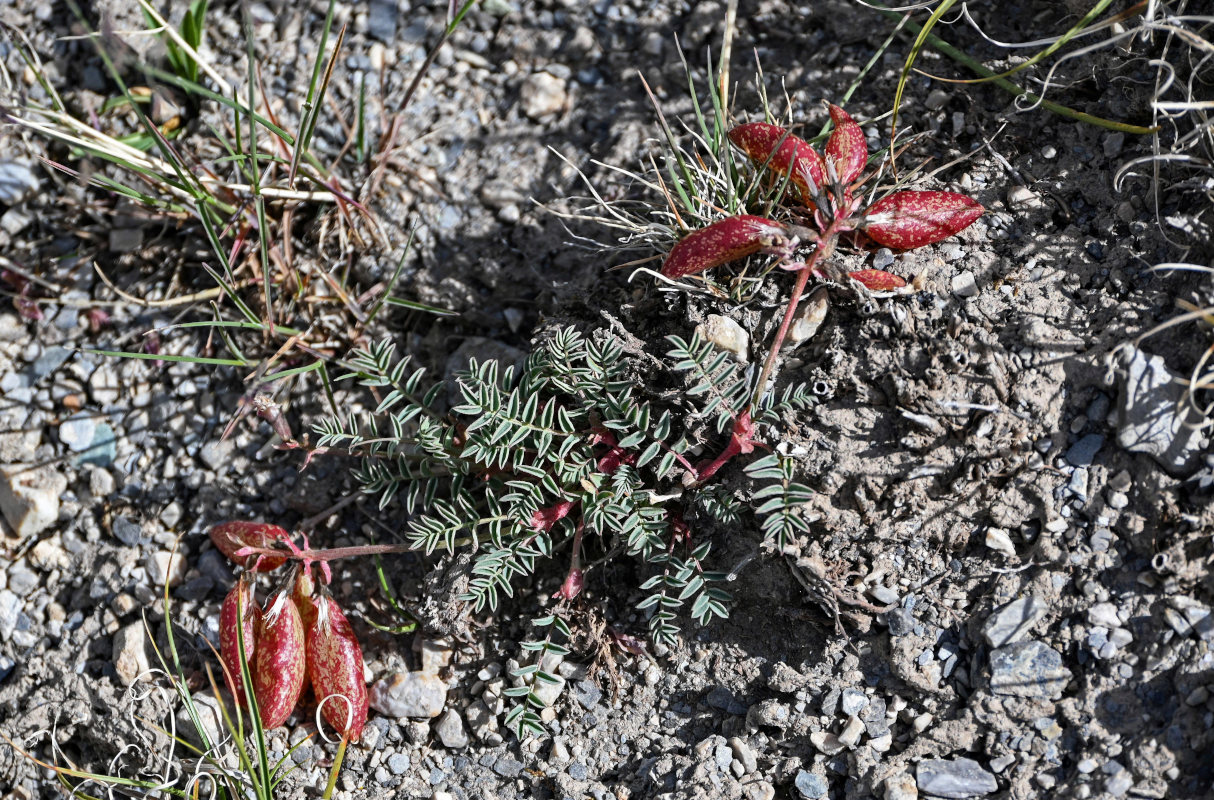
point(809, 785)
point(954, 778)
point(964, 284)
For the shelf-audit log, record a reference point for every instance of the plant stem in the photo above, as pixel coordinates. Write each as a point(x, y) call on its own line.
point(331, 554)
point(826, 245)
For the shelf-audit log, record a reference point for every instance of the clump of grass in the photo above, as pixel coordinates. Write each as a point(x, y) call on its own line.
point(241, 178)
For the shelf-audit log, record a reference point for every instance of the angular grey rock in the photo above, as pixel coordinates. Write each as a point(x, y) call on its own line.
point(954, 778)
point(381, 20)
point(209, 717)
point(17, 182)
point(964, 284)
point(1028, 669)
point(1012, 622)
point(785, 679)
point(852, 700)
point(398, 763)
point(744, 754)
point(809, 785)
point(1196, 617)
point(1083, 452)
point(901, 621)
point(10, 612)
point(450, 730)
point(507, 767)
point(408, 694)
point(165, 567)
point(769, 713)
point(1154, 416)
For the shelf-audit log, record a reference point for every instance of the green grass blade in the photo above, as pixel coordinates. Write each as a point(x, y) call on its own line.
point(1008, 86)
point(218, 362)
point(312, 102)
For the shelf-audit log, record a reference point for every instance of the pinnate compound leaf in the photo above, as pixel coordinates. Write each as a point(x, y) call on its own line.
point(877, 280)
point(721, 242)
point(846, 147)
point(906, 220)
point(786, 155)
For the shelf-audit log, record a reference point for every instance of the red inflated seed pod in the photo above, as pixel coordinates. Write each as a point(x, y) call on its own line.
point(278, 669)
point(335, 661)
point(721, 242)
point(906, 220)
point(786, 155)
point(230, 537)
point(238, 603)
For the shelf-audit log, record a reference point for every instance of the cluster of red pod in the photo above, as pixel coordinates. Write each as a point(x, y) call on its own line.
point(300, 637)
point(903, 220)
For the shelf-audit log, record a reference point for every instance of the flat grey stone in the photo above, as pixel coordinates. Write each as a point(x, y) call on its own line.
point(450, 730)
point(17, 182)
point(398, 763)
point(1028, 669)
point(1083, 452)
point(1012, 622)
point(955, 778)
point(1153, 416)
point(809, 785)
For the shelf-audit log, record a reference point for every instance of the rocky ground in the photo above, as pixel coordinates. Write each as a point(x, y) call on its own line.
point(1007, 589)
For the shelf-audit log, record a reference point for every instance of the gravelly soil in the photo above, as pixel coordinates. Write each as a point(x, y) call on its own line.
point(1007, 588)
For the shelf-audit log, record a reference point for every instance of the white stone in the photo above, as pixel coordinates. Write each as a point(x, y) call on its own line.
point(809, 318)
point(901, 787)
point(408, 694)
point(77, 431)
point(48, 554)
point(964, 284)
point(436, 654)
point(542, 94)
point(726, 335)
point(998, 540)
point(827, 743)
point(164, 566)
point(546, 692)
point(103, 385)
point(29, 497)
point(1104, 614)
point(209, 717)
point(1022, 197)
point(130, 654)
point(850, 736)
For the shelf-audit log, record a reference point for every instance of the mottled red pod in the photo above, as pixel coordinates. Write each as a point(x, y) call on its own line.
point(785, 154)
point(906, 220)
point(230, 537)
point(846, 147)
point(878, 280)
point(278, 667)
point(722, 242)
point(335, 661)
point(238, 603)
point(303, 589)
